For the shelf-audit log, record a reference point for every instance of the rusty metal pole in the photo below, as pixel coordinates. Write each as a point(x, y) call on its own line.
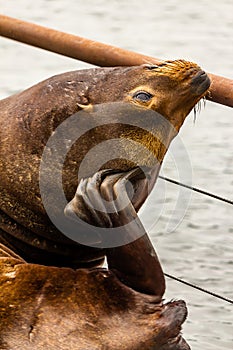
point(221, 90)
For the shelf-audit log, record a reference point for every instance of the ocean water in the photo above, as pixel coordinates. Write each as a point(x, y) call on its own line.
point(192, 233)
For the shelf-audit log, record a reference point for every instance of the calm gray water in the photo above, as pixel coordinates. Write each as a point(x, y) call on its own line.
point(200, 248)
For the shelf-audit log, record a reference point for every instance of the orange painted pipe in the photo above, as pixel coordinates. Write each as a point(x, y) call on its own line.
point(221, 90)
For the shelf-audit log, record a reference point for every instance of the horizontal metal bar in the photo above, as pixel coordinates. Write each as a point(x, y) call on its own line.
point(221, 89)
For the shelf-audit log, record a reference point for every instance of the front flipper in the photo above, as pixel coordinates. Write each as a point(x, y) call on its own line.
point(103, 201)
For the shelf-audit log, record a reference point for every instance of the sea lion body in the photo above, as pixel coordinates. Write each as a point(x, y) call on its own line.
point(29, 118)
point(56, 307)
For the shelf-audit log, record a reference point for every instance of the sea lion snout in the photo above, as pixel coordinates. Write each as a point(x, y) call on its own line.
point(200, 83)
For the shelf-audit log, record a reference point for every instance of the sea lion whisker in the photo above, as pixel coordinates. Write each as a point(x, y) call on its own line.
point(198, 107)
point(204, 100)
point(195, 114)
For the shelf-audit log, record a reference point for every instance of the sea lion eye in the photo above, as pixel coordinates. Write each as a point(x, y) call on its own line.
point(142, 96)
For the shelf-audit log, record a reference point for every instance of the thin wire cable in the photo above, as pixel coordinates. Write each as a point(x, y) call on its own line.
point(200, 288)
point(197, 190)
point(213, 196)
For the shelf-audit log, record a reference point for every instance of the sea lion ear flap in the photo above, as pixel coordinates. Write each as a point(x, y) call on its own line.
point(85, 108)
point(150, 66)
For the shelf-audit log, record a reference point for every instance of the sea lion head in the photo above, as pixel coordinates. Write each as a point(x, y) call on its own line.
point(172, 88)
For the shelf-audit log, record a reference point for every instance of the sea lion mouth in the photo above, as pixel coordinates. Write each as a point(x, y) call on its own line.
point(141, 182)
point(179, 309)
point(175, 313)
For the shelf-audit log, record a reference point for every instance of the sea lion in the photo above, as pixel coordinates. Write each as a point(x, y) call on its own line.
point(27, 121)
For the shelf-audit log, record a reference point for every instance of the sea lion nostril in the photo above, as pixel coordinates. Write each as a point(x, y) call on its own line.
point(200, 76)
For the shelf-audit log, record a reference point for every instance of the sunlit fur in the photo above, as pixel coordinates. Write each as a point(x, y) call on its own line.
point(176, 69)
